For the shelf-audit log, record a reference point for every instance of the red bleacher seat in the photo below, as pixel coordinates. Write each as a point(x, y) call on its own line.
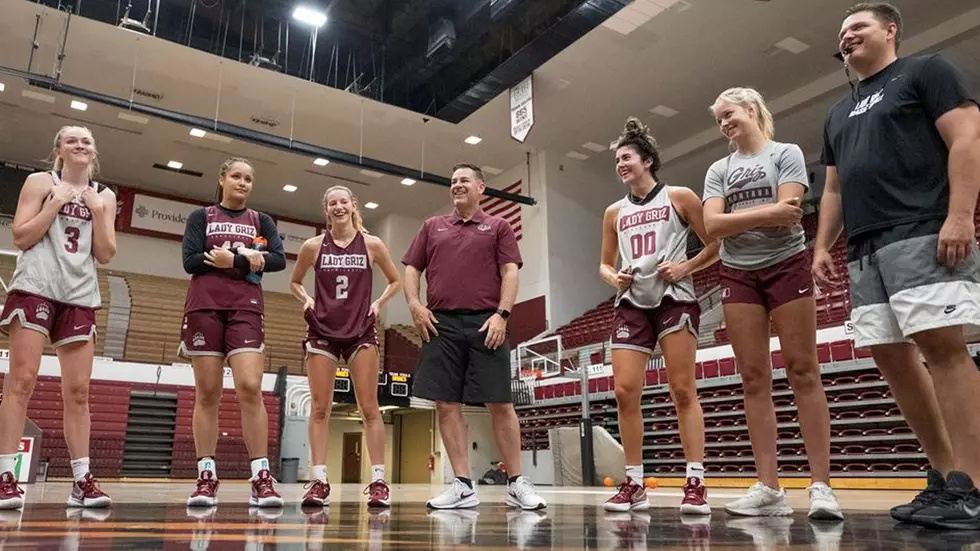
point(841, 351)
point(823, 353)
point(777, 359)
point(726, 367)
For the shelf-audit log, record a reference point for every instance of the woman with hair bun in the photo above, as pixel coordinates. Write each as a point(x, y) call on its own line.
point(655, 302)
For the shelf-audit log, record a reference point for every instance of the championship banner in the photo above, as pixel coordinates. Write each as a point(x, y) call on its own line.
point(293, 235)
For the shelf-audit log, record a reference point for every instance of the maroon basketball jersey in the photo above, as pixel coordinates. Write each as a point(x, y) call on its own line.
point(226, 289)
point(343, 289)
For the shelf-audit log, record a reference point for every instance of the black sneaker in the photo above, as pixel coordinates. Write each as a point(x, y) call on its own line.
point(926, 498)
point(958, 508)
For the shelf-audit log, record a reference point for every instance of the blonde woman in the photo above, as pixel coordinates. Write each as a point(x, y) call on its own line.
point(752, 200)
point(63, 225)
point(342, 327)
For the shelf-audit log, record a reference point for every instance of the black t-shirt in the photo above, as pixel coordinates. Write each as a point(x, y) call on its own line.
point(891, 160)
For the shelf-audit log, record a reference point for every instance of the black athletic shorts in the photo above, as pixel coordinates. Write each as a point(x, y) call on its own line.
point(456, 366)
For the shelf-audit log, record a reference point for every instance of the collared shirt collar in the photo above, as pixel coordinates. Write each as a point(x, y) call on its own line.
point(478, 217)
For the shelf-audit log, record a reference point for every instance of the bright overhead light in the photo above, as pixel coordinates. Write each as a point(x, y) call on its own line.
point(309, 16)
point(473, 140)
point(79, 105)
point(289, 187)
point(408, 182)
point(176, 165)
point(321, 162)
point(198, 133)
point(370, 205)
point(2, 87)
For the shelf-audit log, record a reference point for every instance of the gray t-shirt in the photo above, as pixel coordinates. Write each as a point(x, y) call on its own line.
point(745, 182)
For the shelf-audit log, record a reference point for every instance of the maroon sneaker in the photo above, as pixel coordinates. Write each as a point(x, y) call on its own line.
point(630, 497)
point(86, 493)
point(11, 495)
point(206, 494)
point(695, 498)
point(264, 491)
point(318, 494)
point(379, 495)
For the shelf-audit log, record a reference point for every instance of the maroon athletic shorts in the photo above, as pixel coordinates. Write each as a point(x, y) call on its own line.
point(221, 333)
point(770, 287)
point(641, 329)
point(340, 349)
point(61, 323)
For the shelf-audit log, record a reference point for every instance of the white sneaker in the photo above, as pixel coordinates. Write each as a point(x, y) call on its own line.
point(823, 503)
point(761, 501)
point(521, 493)
point(457, 496)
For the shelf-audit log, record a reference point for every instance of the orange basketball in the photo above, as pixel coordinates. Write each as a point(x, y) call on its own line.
point(650, 482)
point(608, 481)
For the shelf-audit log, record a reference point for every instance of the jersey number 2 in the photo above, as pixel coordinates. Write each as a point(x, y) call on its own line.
point(71, 234)
point(342, 284)
point(643, 244)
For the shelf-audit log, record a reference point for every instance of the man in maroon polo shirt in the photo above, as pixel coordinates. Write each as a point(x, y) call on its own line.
point(470, 260)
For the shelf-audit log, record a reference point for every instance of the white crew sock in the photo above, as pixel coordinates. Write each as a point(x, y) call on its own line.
point(207, 464)
point(695, 470)
point(79, 468)
point(260, 464)
point(635, 473)
point(377, 473)
point(7, 462)
point(320, 473)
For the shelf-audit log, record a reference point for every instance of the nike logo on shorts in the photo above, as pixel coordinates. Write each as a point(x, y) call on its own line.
point(77, 327)
point(249, 341)
point(804, 290)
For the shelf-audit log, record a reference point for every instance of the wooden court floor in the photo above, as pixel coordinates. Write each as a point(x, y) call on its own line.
point(153, 516)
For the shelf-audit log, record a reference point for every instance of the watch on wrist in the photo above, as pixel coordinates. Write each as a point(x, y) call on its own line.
point(505, 314)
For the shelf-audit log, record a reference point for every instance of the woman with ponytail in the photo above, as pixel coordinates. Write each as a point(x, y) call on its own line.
point(752, 202)
point(655, 304)
point(224, 321)
point(342, 327)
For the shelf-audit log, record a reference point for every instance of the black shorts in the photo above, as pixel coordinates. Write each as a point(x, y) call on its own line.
point(456, 366)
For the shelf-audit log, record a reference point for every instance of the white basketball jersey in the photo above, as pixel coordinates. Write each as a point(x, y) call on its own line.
point(650, 233)
point(60, 267)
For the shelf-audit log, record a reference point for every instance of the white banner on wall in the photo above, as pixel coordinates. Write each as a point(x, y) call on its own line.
point(161, 215)
point(293, 235)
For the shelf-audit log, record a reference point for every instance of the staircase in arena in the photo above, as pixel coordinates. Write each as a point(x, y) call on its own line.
point(149, 434)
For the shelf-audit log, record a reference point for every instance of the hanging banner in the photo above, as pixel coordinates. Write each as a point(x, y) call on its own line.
point(521, 109)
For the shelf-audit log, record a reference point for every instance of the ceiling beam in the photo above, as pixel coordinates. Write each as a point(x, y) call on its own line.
point(926, 40)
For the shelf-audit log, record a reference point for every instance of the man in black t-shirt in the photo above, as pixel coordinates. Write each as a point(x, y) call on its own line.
point(902, 151)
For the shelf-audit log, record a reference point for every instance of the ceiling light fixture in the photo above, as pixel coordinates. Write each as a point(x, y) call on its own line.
point(198, 133)
point(289, 187)
point(370, 205)
point(79, 105)
point(321, 162)
point(309, 16)
point(176, 165)
point(408, 182)
point(473, 140)
point(2, 87)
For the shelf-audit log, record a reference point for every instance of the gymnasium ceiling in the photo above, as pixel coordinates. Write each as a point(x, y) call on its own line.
point(652, 54)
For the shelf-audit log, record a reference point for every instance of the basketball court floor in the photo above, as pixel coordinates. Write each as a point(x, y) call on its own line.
point(153, 516)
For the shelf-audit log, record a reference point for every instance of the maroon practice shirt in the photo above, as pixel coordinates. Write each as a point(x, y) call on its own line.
point(343, 281)
point(462, 260)
point(226, 289)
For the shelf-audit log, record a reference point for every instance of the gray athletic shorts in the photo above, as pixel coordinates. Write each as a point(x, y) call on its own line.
point(898, 288)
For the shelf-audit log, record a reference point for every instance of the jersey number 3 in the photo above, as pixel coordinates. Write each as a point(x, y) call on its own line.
point(643, 244)
point(71, 235)
point(342, 284)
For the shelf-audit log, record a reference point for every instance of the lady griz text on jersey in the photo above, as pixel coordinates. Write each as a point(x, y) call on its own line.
point(344, 261)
